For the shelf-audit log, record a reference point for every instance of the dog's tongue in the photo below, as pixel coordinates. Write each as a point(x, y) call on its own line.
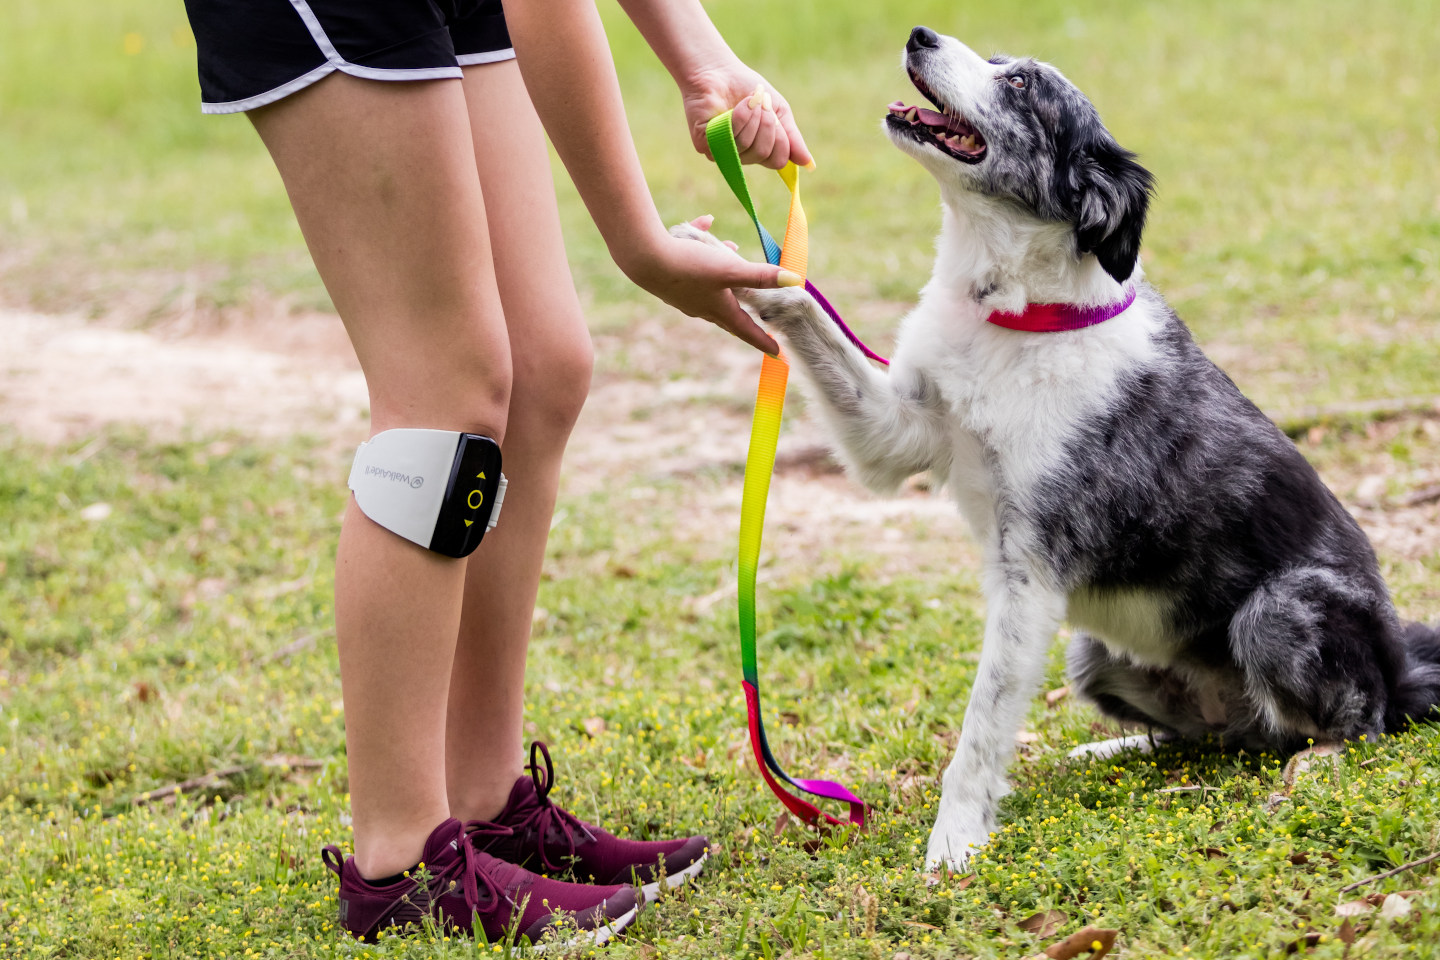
point(932, 119)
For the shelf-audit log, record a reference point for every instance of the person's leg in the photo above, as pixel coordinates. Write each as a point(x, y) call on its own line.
point(551, 357)
point(383, 181)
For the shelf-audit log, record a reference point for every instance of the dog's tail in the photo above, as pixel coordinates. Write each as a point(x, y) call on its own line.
point(1417, 695)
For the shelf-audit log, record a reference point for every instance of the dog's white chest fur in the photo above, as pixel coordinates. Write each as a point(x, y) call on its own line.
point(1012, 401)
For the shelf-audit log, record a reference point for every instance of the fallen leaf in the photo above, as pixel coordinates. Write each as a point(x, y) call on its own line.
point(782, 823)
point(144, 692)
point(1310, 758)
point(1309, 940)
point(1395, 907)
point(594, 726)
point(1091, 940)
point(1346, 933)
point(1299, 859)
point(1044, 925)
point(1056, 695)
point(1354, 908)
point(1215, 853)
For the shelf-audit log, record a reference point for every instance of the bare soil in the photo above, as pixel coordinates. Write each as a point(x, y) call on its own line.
point(671, 402)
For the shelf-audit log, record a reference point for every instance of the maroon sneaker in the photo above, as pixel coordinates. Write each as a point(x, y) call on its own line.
point(549, 840)
point(469, 889)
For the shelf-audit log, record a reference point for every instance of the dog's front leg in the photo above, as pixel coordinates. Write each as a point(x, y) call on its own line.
point(1019, 625)
point(889, 424)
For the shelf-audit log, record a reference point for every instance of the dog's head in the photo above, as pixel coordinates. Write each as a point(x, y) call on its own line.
point(1017, 129)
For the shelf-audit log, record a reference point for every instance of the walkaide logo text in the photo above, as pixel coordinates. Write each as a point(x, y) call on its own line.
point(414, 482)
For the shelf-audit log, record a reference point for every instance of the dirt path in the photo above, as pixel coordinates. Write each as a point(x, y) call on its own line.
point(670, 401)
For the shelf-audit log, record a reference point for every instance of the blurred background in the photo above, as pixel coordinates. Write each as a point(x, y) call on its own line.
point(1296, 152)
point(178, 406)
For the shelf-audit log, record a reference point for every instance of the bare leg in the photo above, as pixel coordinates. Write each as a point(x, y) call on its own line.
point(551, 353)
point(383, 181)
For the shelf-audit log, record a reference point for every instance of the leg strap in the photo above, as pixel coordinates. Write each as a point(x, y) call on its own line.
point(439, 488)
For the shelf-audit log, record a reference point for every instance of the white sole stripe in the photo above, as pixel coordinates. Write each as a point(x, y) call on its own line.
point(652, 889)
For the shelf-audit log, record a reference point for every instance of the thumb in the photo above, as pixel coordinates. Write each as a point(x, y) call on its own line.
point(762, 276)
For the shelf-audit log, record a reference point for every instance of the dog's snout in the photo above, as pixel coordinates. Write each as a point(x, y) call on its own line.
point(922, 37)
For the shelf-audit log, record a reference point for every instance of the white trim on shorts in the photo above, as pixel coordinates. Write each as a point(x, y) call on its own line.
point(489, 56)
point(333, 62)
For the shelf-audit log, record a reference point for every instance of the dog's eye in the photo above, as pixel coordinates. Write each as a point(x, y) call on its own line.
point(1017, 81)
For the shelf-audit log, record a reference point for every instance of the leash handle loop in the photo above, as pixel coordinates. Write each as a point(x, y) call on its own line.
point(759, 467)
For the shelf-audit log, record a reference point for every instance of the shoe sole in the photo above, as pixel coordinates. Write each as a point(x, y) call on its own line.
point(595, 937)
point(652, 890)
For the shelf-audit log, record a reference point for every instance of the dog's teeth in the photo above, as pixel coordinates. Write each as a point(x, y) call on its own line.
point(968, 142)
point(911, 114)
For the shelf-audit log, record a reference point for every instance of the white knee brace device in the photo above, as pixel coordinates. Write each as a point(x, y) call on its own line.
point(438, 488)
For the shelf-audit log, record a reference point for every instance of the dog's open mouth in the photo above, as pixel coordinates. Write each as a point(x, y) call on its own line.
point(947, 130)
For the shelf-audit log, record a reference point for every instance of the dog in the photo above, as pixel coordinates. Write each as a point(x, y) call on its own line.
point(1114, 477)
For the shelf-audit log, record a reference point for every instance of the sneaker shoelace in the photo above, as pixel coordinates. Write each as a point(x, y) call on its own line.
point(467, 869)
point(545, 816)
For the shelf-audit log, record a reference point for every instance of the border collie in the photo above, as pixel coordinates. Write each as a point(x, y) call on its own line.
point(1115, 477)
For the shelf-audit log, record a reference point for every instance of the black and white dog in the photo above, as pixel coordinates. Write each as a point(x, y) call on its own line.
point(1113, 475)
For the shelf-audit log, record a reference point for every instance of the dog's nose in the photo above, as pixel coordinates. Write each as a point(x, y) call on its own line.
point(922, 37)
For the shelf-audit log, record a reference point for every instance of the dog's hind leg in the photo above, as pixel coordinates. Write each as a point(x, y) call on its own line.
point(1019, 626)
point(1320, 653)
point(1166, 700)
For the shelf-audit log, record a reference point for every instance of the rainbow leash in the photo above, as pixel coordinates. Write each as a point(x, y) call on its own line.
point(760, 464)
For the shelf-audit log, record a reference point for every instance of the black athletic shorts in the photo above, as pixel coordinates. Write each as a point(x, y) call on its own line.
point(253, 52)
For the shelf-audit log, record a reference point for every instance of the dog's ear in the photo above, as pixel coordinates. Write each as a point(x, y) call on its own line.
point(1110, 195)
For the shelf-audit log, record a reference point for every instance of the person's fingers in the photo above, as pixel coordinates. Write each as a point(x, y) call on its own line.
point(703, 221)
point(760, 276)
point(732, 245)
point(745, 124)
point(780, 153)
point(734, 319)
point(764, 143)
point(799, 153)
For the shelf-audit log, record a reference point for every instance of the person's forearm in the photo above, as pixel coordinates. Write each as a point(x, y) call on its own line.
point(564, 57)
point(682, 36)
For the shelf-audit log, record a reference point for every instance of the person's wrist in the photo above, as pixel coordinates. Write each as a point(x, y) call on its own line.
point(640, 255)
point(709, 74)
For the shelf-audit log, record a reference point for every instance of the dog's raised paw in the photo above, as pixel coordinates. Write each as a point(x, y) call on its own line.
point(693, 231)
point(780, 306)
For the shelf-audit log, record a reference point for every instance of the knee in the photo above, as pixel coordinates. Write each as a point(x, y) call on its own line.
point(466, 389)
point(551, 383)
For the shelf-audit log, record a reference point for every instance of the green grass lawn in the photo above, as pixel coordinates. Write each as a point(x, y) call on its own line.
point(187, 631)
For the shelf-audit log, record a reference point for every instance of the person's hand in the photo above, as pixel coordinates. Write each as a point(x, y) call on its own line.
point(763, 122)
point(696, 279)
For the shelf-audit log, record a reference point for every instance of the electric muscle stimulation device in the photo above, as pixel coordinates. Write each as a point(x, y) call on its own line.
point(439, 488)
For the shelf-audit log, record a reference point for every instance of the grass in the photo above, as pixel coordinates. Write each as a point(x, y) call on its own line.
point(149, 647)
point(187, 629)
